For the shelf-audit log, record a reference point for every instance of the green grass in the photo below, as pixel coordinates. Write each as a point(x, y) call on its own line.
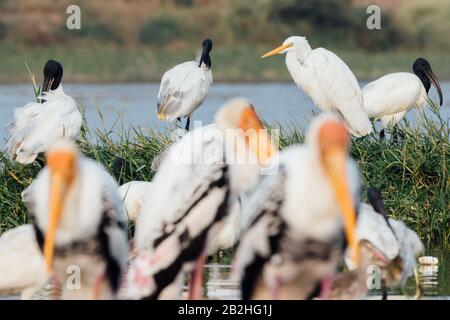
point(414, 173)
point(87, 62)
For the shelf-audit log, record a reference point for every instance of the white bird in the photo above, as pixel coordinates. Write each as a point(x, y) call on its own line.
point(184, 87)
point(327, 80)
point(36, 126)
point(197, 181)
point(22, 266)
point(385, 243)
point(390, 97)
point(295, 220)
point(79, 223)
point(410, 245)
point(133, 196)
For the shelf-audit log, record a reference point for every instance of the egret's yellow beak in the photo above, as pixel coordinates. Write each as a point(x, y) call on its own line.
point(278, 50)
point(62, 170)
point(333, 141)
point(256, 136)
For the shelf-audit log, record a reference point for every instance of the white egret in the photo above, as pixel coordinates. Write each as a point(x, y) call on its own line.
point(38, 125)
point(390, 97)
point(294, 221)
point(184, 87)
point(79, 221)
point(327, 80)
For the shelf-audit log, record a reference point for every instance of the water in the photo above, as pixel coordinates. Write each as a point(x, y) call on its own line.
point(274, 102)
point(435, 281)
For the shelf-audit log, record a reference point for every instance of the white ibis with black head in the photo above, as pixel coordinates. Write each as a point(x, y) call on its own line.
point(390, 97)
point(184, 87)
point(327, 80)
point(295, 221)
point(38, 125)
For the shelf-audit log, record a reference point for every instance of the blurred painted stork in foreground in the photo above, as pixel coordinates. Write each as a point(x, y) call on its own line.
point(184, 87)
point(79, 224)
point(296, 221)
point(327, 80)
point(36, 126)
point(390, 97)
point(385, 243)
point(197, 182)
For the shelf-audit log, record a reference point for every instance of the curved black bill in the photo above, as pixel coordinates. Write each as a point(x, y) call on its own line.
point(436, 84)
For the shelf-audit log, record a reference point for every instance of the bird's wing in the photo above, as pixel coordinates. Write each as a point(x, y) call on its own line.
point(339, 85)
point(113, 232)
point(58, 117)
point(21, 262)
point(393, 93)
point(133, 196)
point(262, 230)
point(372, 227)
point(183, 88)
point(410, 247)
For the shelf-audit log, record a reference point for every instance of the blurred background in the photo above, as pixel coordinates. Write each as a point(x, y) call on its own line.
point(137, 40)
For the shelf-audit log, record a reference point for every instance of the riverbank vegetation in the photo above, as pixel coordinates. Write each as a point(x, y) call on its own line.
point(413, 173)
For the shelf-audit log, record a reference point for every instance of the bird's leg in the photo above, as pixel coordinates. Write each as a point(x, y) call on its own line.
point(382, 134)
point(384, 294)
point(326, 285)
point(275, 289)
point(394, 135)
point(196, 287)
point(419, 288)
point(188, 122)
point(98, 288)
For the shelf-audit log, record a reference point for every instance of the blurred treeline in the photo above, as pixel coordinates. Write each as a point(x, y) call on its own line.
point(175, 24)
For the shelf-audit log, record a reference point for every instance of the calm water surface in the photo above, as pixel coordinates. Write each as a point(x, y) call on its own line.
point(435, 281)
point(275, 102)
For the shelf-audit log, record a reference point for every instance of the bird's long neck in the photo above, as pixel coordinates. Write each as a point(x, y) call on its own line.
point(300, 53)
point(423, 77)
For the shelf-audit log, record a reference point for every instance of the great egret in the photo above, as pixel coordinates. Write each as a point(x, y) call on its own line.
point(327, 80)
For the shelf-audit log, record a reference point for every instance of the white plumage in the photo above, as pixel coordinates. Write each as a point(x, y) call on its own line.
point(327, 80)
point(196, 182)
point(390, 97)
point(133, 195)
point(22, 266)
point(77, 201)
point(184, 87)
point(292, 235)
point(37, 126)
